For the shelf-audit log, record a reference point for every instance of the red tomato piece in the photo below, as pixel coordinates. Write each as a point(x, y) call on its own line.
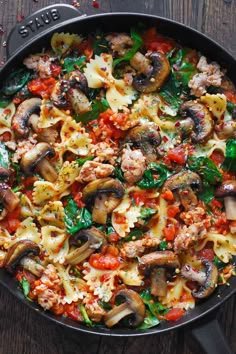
point(174, 314)
point(156, 42)
point(172, 211)
point(55, 69)
point(177, 155)
point(168, 195)
point(169, 232)
point(104, 262)
point(206, 254)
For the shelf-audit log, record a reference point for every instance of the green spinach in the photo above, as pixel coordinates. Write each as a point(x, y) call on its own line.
point(206, 168)
point(154, 176)
point(137, 43)
point(70, 62)
point(15, 81)
point(98, 106)
point(229, 163)
point(76, 218)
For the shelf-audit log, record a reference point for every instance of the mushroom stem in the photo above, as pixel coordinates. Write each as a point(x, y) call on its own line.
point(158, 282)
point(230, 207)
point(8, 197)
point(32, 266)
point(100, 211)
point(46, 170)
point(191, 274)
point(117, 313)
point(79, 254)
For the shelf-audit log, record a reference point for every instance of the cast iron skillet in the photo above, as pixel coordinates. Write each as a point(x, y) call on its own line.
point(31, 35)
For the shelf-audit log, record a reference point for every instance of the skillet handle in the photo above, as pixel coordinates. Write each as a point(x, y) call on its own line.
point(211, 338)
point(38, 23)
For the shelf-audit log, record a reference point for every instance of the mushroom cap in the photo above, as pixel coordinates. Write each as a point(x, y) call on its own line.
point(100, 186)
point(4, 173)
point(202, 119)
point(145, 133)
point(8, 197)
point(21, 117)
point(32, 157)
point(17, 251)
point(133, 306)
point(162, 259)
point(156, 77)
point(226, 189)
point(183, 179)
point(207, 288)
point(94, 236)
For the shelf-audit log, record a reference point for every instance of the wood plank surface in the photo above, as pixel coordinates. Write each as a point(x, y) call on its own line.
point(23, 331)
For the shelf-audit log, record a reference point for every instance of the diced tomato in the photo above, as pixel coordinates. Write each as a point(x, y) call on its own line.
point(86, 48)
point(42, 87)
point(168, 195)
point(217, 157)
point(107, 129)
point(206, 254)
point(110, 249)
point(172, 211)
point(138, 197)
point(55, 69)
point(156, 42)
point(177, 155)
point(170, 232)
point(72, 311)
point(216, 203)
point(174, 314)
point(6, 136)
point(231, 95)
point(12, 220)
point(104, 262)
point(113, 237)
point(76, 191)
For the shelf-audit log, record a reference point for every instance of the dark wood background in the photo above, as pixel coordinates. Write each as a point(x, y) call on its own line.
point(24, 332)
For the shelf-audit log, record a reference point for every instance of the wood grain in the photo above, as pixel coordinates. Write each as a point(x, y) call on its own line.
point(23, 331)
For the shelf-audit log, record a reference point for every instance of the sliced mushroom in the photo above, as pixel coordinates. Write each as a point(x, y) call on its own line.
point(94, 240)
point(4, 173)
point(77, 91)
point(154, 79)
point(58, 95)
point(37, 158)
point(8, 198)
point(156, 263)
point(132, 306)
point(146, 137)
point(17, 252)
point(141, 63)
point(201, 116)
point(21, 117)
point(227, 190)
point(97, 193)
point(32, 266)
point(49, 135)
point(207, 279)
point(184, 183)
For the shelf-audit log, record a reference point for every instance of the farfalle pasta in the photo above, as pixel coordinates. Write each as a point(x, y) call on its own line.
point(118, 179)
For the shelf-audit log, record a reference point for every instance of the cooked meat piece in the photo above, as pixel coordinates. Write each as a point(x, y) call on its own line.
point(120, 42)
point(193, 216)
point(188, 235)
point(104, 152)
point(210, 74)
point(133, 164)
point(134, 249)
point(91, 170)
point(94, 310)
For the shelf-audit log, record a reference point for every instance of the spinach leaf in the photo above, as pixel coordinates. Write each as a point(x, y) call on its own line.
point(70, 62)
point(15, 81)
point(163, 245)
point(171, 92)
point(81, 161)
point(76, 218)
point(105, 305)
point(119, 174)
point(25, 285)
point(207, 193)
point(229, 163)
point(100, 44)
point(206, 168)
point(87, 320)
point(218, 262)
point(154, 306)
point(97, 108)
point(149, 321)
point(4, 100)
point(149, 180)
point(231, 107)
point(182, 68)
point(147, 212)
point(4, 156)
point(138, 42)
point(134, 235)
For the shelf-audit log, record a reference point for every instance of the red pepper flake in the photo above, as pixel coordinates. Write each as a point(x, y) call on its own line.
point(75, 4)
point(165, 139)
point(95, 4)
point(20, 18)
point(177, 124)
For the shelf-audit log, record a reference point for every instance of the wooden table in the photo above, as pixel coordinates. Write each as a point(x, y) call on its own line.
point(23, 331)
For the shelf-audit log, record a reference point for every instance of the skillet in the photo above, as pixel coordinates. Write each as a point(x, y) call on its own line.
point(34, 33)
